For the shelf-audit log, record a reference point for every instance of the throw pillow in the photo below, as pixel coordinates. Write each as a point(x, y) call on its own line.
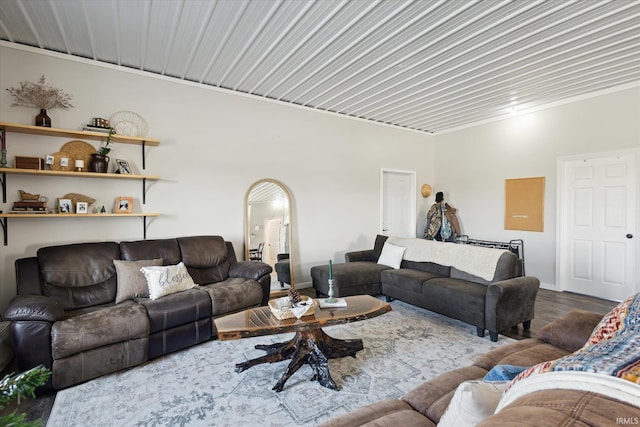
point(131, 281)
point(623, 318)
point(472, 402)
point(167, 280)
point(391, 255)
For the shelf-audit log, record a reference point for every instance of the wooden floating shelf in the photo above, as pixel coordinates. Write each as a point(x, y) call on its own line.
point(72, 215)
point(77, 174)
point(80, 134)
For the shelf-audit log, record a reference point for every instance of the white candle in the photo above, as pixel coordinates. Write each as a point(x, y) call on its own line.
point(79, 163)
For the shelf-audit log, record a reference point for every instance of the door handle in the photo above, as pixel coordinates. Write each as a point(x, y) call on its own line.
point(629, 236)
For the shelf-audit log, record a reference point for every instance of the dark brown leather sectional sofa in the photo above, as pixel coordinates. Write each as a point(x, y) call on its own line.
point(65, 316)
point(425, 405)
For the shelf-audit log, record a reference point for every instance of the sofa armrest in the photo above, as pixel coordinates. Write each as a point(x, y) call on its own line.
point(34, 307)
point(249, 270)
point(365, 255)
point(571, 331)
point(510, 302)
point(255, 270)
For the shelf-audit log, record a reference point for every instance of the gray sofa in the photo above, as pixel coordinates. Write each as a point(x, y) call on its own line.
point(67, 317)
point(495, 305)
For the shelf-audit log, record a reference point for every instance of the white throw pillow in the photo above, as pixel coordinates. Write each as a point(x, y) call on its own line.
point(167, 280)
point(472, 402)
point(391, 255)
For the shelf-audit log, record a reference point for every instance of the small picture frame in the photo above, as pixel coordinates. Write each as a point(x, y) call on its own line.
point(122, 167)
point(82, 207)
point(49, 159)
point(124, 205)
point(64, 162)
point(65, 206)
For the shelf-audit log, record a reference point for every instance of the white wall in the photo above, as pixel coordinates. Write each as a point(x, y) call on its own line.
point(472, 165)
point(214, 145)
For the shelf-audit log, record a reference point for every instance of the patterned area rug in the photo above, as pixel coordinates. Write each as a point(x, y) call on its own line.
point(199, 387)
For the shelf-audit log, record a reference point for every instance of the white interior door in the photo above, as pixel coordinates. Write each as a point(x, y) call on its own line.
point(598, 241)
point(272, 241)
point(398, 210)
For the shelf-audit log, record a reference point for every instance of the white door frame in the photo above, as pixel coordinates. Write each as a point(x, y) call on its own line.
point(412, 202)
point(560, 207)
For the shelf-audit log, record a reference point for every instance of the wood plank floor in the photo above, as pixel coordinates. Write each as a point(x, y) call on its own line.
point(550, 305)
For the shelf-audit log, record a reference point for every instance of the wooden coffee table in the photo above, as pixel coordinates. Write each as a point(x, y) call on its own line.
point(310, 344)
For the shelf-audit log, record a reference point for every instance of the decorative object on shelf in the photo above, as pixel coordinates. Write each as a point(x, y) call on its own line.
point(100, 123)
point(82, 207)
point(106, 149)
point(43, 119)
point(124, 204)
point(122, 167)
point(65, 206)
point(40, 95)
point(24, 196)
point(78, 198)
point(79, 150)
point(79, 165)
point(129, 123)
point(22, 162)
point(61, 161)
point(30, 204)
point(99, 163)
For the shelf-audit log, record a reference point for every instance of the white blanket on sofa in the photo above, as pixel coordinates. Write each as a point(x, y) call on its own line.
point(616, 388)
point(475, 260)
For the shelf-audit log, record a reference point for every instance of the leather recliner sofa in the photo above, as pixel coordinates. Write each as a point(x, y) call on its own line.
point(65, 316)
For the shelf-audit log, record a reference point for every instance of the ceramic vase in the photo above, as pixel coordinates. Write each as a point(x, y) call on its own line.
point(99, 163)
point(42, 119)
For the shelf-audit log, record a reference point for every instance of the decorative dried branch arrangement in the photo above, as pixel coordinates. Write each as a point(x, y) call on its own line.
point(40, 95)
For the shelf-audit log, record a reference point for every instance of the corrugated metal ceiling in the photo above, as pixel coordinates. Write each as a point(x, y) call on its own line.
point(426, 65)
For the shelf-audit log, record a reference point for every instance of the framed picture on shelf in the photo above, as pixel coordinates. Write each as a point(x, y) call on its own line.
point(65, 206)
point(122, 166)
point(82, 207)
point(124, 205)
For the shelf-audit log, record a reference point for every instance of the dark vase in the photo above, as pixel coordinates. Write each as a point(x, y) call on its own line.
point(99, 163)
point(42, 119)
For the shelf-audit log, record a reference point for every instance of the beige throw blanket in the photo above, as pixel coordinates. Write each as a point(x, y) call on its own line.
point(475, 260)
